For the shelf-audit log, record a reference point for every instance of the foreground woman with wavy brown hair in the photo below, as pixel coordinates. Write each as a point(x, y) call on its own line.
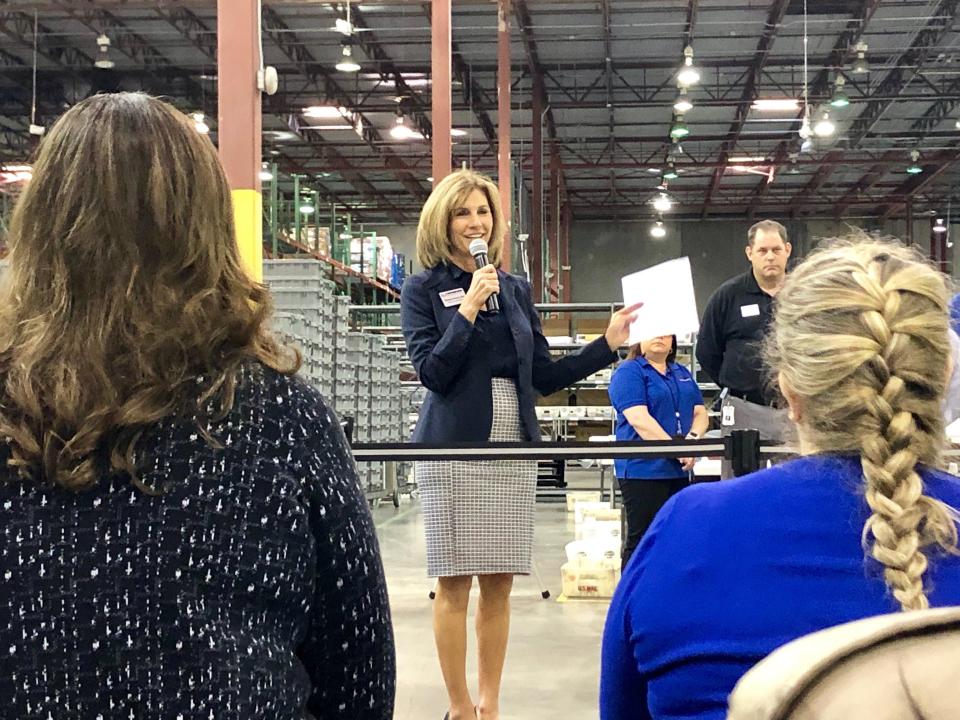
point(176, 505)
point(861, 524)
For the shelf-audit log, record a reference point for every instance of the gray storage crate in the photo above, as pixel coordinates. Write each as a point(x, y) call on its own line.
point(300, 267)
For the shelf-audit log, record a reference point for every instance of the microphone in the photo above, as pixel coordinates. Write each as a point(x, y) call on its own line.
point(478, 248)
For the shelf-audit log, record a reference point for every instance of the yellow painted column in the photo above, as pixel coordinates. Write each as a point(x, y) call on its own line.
point(248, 218)
point(239, 122)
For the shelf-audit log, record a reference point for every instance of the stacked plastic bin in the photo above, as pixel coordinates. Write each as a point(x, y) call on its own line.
point(304, 313)
point(355, 372)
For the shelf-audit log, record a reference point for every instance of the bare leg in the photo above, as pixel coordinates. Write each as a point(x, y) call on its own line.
point(493, 629)
point(450, 633)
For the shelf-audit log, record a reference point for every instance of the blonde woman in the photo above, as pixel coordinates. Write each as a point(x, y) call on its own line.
point(482, 372)
point(184, 535)
point(861, 524)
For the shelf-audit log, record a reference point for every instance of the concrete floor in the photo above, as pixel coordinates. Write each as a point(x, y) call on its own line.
point(552, 668)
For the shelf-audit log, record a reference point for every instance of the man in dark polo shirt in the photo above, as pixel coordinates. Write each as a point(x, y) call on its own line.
point(739, 313)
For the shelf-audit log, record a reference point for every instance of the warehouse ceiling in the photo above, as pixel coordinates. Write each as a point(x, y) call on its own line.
point(608, 72)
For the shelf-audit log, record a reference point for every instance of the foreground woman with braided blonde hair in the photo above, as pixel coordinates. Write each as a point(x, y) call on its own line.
point(861, 524)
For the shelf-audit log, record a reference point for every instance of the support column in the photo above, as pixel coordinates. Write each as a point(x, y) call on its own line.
point(441, 58)
point(565, 275)
point(503, 129)
point(535, 242)
point(553, 232)
point(909, 228)
point(239, 123)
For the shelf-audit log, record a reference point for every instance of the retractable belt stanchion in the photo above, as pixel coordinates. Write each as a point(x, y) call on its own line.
point(743, 451)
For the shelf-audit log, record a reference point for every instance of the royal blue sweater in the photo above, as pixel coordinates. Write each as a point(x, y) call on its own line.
point(730, 571)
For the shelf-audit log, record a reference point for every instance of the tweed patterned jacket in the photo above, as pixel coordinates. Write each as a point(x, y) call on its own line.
point(249, 587)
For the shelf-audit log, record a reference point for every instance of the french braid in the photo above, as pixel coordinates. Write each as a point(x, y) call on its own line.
point(860, 335)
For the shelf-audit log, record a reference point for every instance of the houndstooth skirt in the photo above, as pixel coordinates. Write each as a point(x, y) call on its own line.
point(478, 515)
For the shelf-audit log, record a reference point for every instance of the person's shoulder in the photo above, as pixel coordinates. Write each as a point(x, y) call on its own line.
point(417, 280)
point(942, 486)
point(735, 284)
point(718, 499)
point(629, 368)
point(289, 399)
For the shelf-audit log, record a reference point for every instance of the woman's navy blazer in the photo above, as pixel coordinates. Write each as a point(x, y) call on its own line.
point(453, 361)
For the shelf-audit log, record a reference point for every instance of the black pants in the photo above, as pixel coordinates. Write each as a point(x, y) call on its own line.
point(642, 500)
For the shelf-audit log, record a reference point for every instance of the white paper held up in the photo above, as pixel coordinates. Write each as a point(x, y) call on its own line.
point(669, 305)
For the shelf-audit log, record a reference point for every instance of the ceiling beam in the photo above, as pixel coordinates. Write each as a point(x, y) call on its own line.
point(914, 184)
point(291, 46)
point(474, 96)
point(779, 157)
point(19, 27)
point(774, 17)
point(367, 40)
point(907, 67)
point(820, 87)
point(204, 39)
point(525, 24)
point(817, 181)
point(870, 179)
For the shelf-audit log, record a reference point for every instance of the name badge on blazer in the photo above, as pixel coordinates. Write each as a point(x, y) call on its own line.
point(452, 297)
point(749, 310)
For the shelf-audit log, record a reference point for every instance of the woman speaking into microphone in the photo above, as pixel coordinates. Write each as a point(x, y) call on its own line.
point(483, 371)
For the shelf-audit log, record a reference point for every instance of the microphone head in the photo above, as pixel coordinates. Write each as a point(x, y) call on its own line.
point(478, 247)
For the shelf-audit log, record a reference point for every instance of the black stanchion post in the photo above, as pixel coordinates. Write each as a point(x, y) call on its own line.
point(743, 451)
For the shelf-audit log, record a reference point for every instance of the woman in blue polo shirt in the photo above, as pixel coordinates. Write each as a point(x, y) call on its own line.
point(655, 399)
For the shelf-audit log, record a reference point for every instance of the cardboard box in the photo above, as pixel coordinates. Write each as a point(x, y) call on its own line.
point(588, 580)
point(556, 325)
point(578, 496)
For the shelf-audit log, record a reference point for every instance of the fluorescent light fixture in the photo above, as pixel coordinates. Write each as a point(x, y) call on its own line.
point(839, 99)
point(327, 127)
point(860, 65)
point(430, 179)
point(657, 230)
point(662, 203)
point(688, 75)
point(347, 63)
point(914, 168)
point(265, 174)
point(103, 60)
point(655, 170)
point(824, 127)
point(747, 158)
point(679, 129)
point(939, 227)
point(682, 104)
point(457, 132)
point(400, 131)
point(325, 112)
point(280, 135)
point(776, 104)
